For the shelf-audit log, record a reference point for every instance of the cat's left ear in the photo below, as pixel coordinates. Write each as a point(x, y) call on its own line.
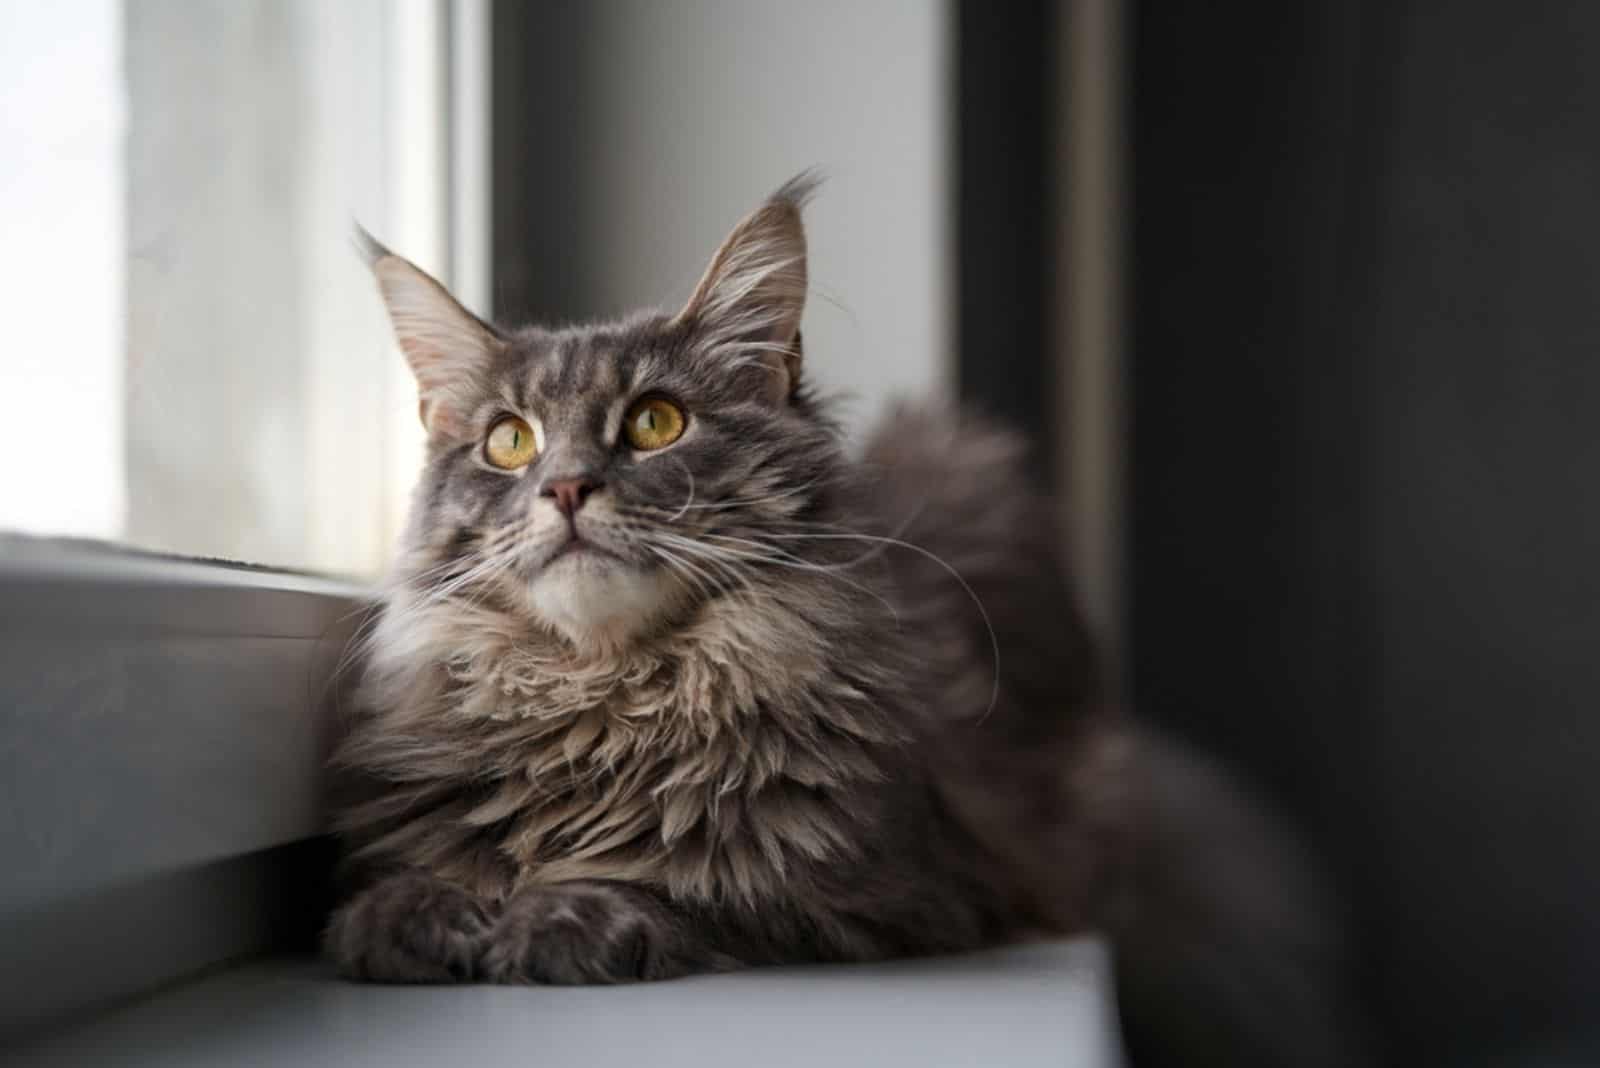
point(750, 299)
point(451, 352)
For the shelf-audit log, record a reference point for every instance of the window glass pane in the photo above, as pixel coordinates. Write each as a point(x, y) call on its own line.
point(61, 211)
point(203, 366)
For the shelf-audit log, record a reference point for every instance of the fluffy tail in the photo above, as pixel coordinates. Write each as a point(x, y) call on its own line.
point(1226, 951)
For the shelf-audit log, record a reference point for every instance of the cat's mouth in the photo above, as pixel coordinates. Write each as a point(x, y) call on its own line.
point(577, 545)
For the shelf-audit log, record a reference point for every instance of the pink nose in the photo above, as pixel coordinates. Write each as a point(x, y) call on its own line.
point(569, 493)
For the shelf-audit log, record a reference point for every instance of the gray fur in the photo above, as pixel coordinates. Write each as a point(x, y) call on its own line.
point(806, 707)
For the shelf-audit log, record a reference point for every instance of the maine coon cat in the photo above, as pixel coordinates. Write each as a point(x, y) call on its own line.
point(667, 681)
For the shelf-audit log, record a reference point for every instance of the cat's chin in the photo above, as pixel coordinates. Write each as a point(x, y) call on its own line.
point(598, 601)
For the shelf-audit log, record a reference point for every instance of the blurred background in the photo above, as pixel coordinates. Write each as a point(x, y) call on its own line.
point(1297, 302)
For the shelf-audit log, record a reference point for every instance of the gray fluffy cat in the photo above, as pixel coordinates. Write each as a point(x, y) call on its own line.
point(666, 682)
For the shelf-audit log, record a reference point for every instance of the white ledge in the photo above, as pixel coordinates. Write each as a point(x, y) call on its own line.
point(1041, 1004)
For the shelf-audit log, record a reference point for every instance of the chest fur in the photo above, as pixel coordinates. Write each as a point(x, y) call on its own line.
point(719, 765)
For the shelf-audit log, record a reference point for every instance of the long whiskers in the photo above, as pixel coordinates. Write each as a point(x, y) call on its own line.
point(738, 555)
point(738, 559)
point(438, 584)
point(888, 542)
point(726, 504)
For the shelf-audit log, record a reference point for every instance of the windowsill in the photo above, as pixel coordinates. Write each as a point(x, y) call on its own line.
point(161, 753)
point(1041, 1004)
point(48, 580)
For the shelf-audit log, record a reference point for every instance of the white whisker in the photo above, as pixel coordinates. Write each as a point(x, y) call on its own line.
point(688, 501)
point(994, 640)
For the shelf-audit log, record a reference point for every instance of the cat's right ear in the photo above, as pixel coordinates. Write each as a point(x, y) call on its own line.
point(451, 352)
point(750, 299)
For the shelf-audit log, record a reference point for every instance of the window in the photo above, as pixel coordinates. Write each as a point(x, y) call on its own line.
point(196, 361)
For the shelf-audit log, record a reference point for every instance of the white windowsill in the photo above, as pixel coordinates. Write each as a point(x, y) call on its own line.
point(1046, 1004)
point(165, 723)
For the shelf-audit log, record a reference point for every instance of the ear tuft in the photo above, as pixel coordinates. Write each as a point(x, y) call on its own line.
point(369, 248)
point(751, 297)
point(450, 351)
point(799, 190)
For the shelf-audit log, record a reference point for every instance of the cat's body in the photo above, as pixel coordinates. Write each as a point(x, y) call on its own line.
point(820, 744)
point(764, 703)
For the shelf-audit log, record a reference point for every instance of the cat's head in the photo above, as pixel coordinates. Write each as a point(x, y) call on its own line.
point(596, 479)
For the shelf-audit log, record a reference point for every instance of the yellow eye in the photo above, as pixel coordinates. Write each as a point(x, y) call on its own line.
point(652, 423)
point(511, 444)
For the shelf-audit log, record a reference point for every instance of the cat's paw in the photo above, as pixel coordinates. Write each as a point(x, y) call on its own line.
point(410, 928)
point(580, 933)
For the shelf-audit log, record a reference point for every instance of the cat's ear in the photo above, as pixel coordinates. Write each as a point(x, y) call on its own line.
point(749, 301)
point(450, 350)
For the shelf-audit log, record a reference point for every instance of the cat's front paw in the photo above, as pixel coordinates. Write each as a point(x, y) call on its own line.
point(410, 928)
point(580, 933)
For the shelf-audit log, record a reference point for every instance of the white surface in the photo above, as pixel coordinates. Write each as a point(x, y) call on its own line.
point(1042, 1004)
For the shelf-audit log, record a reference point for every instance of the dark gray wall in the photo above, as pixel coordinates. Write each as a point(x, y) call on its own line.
point(1365, 390)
